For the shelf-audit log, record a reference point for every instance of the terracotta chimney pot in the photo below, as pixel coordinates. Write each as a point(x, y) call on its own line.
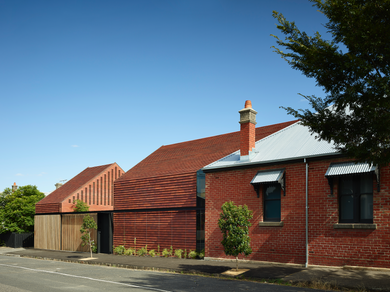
point(248, 104)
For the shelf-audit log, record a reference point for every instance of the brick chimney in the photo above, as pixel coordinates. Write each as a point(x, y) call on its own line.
point(14, 187)
point(247, 132)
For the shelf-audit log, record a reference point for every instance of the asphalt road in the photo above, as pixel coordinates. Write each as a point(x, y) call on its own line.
point(23, 274)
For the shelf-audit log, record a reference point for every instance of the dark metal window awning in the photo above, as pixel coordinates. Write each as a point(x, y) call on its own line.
point(351, 168)
point(269, 176)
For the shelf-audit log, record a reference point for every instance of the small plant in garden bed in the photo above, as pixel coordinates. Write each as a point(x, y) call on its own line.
point(166, 253)
point(178, 253)
point(129, 252)
point(152, 253)
point(120, 249)
point(143, 251)
point(192, 254)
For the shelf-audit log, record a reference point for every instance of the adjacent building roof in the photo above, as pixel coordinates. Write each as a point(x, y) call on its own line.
point(72, 185)
point(290, 143)
point(191, 156)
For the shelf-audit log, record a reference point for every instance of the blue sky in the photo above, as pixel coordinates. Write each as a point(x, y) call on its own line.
point(86, 83)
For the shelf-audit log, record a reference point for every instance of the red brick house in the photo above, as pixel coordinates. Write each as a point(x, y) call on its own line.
point(160, 201)
point(311, 204)
point(93, 186)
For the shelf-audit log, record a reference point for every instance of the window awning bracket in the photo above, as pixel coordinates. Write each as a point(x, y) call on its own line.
point(282, 181)
point(378, 178)
point(257, 189)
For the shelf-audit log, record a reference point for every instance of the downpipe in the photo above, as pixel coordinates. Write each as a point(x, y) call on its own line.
point(307, 213)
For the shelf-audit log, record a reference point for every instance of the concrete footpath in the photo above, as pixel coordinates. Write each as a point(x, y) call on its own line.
point(353, 278)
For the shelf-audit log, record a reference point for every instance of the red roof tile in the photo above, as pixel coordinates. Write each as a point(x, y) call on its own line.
point(191, 156)
point(72, 185)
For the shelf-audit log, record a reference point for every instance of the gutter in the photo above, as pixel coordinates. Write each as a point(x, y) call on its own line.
point(239, 164)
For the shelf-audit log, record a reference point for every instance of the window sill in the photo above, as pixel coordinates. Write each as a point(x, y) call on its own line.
point(354, 226)
point(271, 224)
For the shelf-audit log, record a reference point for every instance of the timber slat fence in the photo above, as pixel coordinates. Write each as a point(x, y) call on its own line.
point(56, 233)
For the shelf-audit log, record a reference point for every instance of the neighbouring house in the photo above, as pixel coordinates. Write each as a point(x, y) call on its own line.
point(160, 202)
point(57, 227)
point(311, 204)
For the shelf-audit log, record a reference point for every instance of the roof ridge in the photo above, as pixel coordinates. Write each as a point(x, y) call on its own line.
point(229, 133)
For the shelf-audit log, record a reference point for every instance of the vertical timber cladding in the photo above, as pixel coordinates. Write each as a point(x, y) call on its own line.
point(71, 236)
point(47, 232)
point(160, 228)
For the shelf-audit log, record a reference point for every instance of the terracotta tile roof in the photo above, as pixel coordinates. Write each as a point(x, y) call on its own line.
point(72, 185)
point(191, 156)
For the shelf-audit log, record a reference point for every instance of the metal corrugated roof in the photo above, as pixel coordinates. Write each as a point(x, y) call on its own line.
point(336, 169)
point(267, 176)
point(290, 143)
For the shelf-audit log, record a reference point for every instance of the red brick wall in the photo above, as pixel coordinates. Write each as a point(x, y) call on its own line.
point(327, 246)
point(164, 228)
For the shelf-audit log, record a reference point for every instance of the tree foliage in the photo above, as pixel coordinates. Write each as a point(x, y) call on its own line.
point(80, 206)
point(86, 228)
point(353, 69)
point(17, 209)
point(234, 224)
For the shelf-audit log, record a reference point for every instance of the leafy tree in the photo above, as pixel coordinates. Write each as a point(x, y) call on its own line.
point(86, 228)
point(234, 224)
point(353, 69)
point(80, 206)
point(17, 209)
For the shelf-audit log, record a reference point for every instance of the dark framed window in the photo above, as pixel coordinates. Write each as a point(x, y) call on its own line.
point(356, 199)
point(272, 207)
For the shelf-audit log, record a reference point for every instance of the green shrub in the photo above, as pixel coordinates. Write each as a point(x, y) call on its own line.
point(185, 253)
point(201, 254)
point(143, 251)
point(178, 253)
point(166, 252)
point(192, 254)
point(129, 252)
point(152, 253)
point(120, 249)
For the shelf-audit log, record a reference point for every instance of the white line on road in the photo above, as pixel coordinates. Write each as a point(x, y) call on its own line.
point(87, 278)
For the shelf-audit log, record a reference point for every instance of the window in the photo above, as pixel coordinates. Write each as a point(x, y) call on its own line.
point(200, 184)
point(356, 199)
point(272, 202)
